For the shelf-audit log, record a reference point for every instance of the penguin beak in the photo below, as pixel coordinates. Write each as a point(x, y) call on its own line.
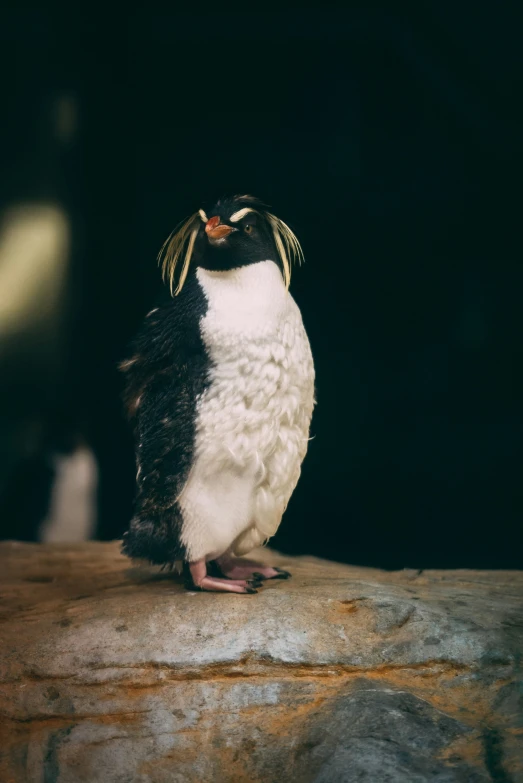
point(214, 230)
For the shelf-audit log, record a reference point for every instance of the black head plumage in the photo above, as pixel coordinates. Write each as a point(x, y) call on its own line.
point(234, 232)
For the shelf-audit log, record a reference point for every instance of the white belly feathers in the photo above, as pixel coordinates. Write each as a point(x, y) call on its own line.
point(253, 420)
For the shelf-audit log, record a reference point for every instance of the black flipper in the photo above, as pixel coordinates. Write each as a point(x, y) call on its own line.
point(167, 369)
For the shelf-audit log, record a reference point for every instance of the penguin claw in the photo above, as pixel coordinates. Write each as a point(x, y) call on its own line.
point(281, 574)
point(199, 580)
point(239, 568)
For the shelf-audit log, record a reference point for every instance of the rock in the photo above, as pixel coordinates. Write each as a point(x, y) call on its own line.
point(112, 673)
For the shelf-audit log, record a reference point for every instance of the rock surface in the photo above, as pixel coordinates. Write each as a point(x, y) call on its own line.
point(113, 673)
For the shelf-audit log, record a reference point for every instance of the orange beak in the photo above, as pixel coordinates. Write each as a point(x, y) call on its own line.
point(214, 230)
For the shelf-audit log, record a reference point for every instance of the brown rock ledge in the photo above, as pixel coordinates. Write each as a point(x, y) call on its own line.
point(114, 674)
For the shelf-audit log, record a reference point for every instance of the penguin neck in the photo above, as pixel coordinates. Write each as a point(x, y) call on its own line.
point(256, 282)
point(249, 293)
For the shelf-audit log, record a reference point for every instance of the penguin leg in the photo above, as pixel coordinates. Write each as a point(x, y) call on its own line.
point(240, 568)
point(202, 581)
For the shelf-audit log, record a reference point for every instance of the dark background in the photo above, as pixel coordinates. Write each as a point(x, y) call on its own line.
point(389, 139)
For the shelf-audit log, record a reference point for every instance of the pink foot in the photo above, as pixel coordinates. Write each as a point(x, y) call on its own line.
point(201, 581)
point(239, 568)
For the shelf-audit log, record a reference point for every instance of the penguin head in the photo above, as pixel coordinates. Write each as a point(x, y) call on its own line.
point(235, 232)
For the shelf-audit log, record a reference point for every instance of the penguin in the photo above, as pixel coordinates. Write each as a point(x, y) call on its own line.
point(219, 388)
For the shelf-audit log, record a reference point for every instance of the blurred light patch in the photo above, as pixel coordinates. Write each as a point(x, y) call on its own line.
point(65, 117)
point(34, 252)
point(72, 510)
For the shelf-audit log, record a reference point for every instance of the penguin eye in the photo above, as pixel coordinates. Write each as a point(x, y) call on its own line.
point(248, 228)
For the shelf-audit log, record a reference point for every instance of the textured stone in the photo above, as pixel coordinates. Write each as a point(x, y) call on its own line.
point(114, 673)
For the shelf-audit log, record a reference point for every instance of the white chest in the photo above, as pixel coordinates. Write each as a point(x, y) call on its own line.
point(262, 376)
point(253, 420)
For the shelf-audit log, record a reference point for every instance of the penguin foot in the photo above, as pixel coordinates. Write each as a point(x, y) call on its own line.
point(240, 568)
point(200, 580)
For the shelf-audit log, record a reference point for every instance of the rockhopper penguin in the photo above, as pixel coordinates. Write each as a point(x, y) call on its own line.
point(220, 391)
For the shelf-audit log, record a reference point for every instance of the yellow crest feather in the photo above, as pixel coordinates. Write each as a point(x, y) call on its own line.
point(178, 247)
point(287, 245)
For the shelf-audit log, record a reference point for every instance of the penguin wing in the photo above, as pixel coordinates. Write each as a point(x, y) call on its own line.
point(164, 376)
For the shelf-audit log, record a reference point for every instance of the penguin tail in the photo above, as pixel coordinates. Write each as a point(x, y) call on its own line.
point(155, 540)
